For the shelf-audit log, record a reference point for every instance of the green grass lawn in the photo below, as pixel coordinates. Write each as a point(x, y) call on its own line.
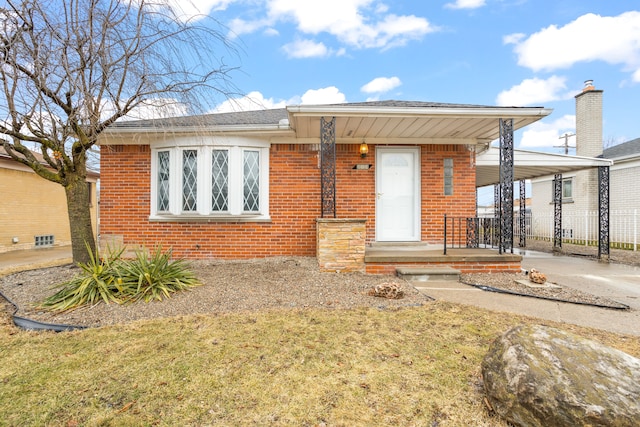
point(364, 367)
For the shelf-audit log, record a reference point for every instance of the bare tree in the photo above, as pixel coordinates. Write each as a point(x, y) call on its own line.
point(71, 68)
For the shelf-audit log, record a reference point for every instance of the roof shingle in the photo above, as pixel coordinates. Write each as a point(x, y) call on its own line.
point(626, 149)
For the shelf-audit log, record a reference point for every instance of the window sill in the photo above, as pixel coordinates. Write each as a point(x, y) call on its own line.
point(209, 218)
point(563, 201)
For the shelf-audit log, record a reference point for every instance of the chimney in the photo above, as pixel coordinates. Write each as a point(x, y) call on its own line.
point(589, 121)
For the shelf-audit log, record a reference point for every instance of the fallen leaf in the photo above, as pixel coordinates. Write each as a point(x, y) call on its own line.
point(127, 406)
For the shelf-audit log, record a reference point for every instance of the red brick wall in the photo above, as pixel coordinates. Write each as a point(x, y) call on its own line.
point(356, 188)
point(464, 267)
point(462, 203)
point(294, 202)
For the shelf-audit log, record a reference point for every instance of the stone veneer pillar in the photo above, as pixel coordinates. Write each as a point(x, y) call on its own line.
point(340, 244)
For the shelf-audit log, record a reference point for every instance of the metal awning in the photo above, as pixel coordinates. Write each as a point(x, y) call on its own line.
point(530, 165)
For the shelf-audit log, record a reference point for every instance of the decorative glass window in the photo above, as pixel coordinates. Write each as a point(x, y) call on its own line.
point(448, 177)
point(163, 181)
point(189, 180)
point(251, 179)
point(219, 180)
point(195, 180)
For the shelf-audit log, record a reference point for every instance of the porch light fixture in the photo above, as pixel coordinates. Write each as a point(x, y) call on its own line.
point(364, 149)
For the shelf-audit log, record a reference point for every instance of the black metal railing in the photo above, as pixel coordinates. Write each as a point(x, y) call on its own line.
point(471, 233)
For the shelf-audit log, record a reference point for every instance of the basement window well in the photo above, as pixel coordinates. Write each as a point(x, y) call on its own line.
point(44, 241)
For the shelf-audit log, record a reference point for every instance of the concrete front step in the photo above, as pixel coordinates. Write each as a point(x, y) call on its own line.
point(426, 274)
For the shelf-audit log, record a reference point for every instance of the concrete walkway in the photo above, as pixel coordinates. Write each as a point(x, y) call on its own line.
point(618, 282)
point(14, 261)
point(614, 281)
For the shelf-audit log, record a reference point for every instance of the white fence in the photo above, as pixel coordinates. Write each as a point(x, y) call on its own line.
point(582, 227)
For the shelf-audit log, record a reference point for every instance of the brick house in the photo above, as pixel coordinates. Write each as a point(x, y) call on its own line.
point(33, 212)
point(302, 180)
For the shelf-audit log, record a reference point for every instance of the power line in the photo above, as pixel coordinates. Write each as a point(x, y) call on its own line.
point(566, 142)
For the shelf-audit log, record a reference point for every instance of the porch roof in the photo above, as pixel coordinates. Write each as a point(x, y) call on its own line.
point(402, 122)
point(388, 122)
point(530, 164)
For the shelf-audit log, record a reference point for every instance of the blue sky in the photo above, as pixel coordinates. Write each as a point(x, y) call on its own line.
point(489, 52)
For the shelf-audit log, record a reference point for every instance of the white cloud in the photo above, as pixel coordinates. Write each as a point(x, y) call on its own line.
point(156, 108)
point(514, 38)
point(612, 39)
point(466, 4)
point(240, 26)
point(271, 32)
point(535, 91)
point(250, 102)
point(305, 49)
point(256, 100)
point(547, 134)
point(381, 85)
point(327, 95)
point(358, 24)
point(196, 9)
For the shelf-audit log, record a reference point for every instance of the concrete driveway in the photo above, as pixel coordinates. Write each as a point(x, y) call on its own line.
point(614, 281)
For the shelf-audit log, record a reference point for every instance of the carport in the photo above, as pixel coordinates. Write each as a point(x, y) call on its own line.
point(491, 170)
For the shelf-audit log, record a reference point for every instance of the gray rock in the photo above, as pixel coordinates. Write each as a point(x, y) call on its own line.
point(541, 376)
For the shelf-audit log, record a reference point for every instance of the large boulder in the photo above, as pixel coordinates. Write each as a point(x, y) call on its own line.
point(542, 376)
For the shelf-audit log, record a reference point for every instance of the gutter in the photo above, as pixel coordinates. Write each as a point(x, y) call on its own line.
point(499, 112)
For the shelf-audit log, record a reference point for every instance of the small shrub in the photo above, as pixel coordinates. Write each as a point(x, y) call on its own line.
point(97, 282)
point(155, 277)
point(113, 279)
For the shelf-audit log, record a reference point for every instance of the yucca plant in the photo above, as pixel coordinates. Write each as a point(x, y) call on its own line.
point(98, 281)
point(112, 279)
point(155, 277)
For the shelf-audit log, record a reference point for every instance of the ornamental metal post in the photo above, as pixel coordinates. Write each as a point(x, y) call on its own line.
point(557, 212)
point(496, 201)
point(603, 213)
point(328, 166)
point(473, 238)
point(495, 230)
point(523, 214)
point(506, 185)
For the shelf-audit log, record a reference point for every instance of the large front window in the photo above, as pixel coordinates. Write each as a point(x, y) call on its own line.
point(210, 182)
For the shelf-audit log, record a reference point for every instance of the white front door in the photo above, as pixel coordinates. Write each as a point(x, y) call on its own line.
point(398, 194)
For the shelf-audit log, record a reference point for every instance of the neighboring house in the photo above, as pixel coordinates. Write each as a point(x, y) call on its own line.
point(261, 183)
point(33, 212)
point(625, 173)
point(580, 202)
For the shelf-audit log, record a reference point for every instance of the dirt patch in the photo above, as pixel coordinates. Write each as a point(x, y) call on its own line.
point(295, 282)
point(228, 286)
point(518, 284)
